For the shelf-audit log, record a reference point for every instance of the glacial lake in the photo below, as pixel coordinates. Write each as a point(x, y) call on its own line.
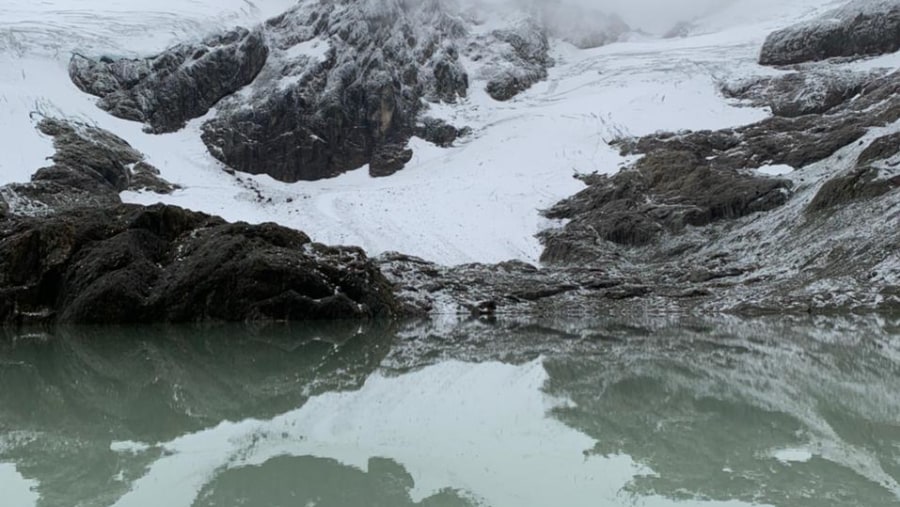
point(665, 412)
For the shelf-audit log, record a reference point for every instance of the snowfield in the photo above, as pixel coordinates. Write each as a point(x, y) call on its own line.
point(476, 202)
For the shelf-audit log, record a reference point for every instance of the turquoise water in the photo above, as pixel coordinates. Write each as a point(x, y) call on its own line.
point(664, 412)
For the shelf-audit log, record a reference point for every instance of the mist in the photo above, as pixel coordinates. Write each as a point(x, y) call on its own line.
point(659, 16)
point(655, 16)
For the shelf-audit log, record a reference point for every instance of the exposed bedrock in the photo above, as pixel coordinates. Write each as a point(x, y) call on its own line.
point(861, 28)
point(180, 84)
point(812, 91)
point(666, 190)
point(134, 264)
point(875, 174)
point(355, 102)
point(90, 167)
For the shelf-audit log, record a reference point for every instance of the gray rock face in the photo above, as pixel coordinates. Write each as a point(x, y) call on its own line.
point(864, 27)
point(319, 116)
point(800, 93)
point(875, 174)
point(90, 167)
point(128, 264)
point(180, 84)
point(530, 49)
point(335, 85)
point(666, 190)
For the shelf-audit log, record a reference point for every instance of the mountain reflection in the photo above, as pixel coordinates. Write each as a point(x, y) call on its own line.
point(663, 411)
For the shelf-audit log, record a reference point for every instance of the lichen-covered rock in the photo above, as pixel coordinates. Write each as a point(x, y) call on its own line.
point(127, 263)
point(861, 28)
point(180, 84)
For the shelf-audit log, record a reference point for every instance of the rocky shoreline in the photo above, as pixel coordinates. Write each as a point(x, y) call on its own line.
point(698, 223)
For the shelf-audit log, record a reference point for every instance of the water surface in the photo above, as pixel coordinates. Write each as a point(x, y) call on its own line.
point(664, 412)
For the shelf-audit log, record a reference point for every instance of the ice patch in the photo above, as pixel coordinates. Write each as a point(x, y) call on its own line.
point(16, 490)
point(793, 455)
point(315, 49)
point(775, 170)
point(129, 447)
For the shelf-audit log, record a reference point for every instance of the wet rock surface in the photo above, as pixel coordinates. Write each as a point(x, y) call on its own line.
point(861, 28)
point(135, 264)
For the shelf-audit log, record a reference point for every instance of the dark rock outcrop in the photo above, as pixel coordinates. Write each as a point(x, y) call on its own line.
point(90, 167)
point(357, 104)
point(132, 264)
point(862, 183)
point(665, 191)
point(795, 141)
point(180, 84)
point(691, 225)
point(862, 28)
point(874, 175)
point(439, 132)
point(335, 85)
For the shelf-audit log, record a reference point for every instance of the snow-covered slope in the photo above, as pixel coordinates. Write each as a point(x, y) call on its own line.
point(477, 201)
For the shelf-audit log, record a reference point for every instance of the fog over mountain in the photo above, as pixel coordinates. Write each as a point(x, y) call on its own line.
point(655, 16)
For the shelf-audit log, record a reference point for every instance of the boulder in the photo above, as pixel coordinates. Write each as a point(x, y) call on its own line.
point(800, 93)
point(861, 28)
point(439, 132)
